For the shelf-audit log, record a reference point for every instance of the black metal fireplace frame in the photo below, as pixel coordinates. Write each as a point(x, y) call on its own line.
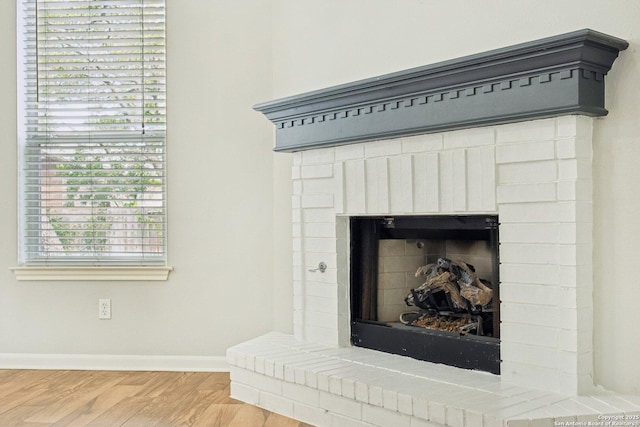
point(464, 351)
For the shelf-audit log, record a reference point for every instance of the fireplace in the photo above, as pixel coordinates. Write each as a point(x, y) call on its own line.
point(452, 149)
point(427, 287)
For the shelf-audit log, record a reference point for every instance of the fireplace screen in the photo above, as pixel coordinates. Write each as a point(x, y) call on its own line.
point(427, 287)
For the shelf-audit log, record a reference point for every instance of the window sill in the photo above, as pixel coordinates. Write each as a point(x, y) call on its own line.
point(90, 273)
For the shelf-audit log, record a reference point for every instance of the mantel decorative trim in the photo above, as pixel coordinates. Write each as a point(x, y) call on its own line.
point(558, 75)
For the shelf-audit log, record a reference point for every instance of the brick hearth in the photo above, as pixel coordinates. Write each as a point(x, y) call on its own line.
point(356, 387)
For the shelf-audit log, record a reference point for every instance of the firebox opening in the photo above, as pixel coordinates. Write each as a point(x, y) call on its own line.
point(427, 287)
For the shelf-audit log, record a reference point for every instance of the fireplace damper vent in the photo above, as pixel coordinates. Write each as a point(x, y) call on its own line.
point(412, 284)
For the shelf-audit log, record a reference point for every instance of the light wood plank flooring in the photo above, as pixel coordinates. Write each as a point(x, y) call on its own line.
point(132, 399)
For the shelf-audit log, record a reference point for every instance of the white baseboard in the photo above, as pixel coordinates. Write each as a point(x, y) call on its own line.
point(108, 362)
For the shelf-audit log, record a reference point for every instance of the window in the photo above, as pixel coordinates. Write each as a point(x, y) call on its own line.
point(92, 133)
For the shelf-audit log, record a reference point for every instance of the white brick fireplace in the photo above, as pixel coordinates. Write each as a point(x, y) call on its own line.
point(535, 175)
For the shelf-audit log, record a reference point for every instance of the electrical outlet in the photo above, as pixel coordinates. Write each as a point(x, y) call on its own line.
point(104, 308)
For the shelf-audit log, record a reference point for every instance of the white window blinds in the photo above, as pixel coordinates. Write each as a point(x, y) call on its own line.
point(93, 131)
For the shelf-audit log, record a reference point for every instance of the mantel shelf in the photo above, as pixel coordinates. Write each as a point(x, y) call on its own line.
point(554, 76)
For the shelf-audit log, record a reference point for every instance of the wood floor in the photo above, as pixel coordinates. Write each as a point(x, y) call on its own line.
point(107, 398)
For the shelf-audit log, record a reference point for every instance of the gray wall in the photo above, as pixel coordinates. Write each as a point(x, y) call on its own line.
point(220, 205)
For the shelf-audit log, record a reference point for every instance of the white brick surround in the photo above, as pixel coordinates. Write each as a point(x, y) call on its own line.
point(537, 177)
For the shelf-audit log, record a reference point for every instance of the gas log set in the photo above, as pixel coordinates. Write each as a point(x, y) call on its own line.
point(452, 299)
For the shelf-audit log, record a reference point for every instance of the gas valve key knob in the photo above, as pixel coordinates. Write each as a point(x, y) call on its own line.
point(322, 267)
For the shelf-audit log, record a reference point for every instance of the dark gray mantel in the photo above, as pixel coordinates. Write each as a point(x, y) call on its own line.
point(558, 75)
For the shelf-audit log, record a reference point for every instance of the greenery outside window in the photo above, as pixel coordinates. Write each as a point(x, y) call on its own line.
point(92, 133)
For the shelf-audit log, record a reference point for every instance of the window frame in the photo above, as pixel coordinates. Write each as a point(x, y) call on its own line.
point(59, 268)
